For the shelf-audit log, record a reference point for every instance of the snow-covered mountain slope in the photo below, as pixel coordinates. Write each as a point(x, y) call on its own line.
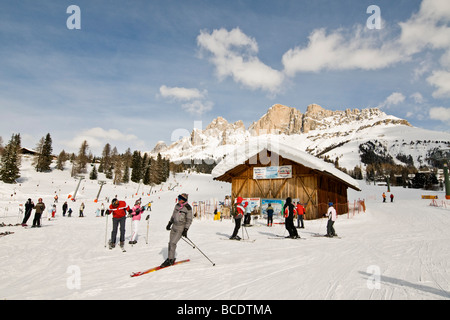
point(320, 132)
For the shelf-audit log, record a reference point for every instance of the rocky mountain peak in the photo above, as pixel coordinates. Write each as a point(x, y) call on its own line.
point(279, 119)
point(218, 123)
point(159, 147)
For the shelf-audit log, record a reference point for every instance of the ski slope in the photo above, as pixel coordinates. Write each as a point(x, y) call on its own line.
point(393, 251)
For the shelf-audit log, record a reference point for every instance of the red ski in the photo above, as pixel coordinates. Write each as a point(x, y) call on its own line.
point(140, 273)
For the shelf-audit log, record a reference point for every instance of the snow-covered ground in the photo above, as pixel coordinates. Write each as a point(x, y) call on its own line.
point(395, 250)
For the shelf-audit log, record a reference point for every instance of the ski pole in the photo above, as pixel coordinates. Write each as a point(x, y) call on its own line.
point(193, 247)
point(148, 221)
point(320, 226)
point(245, 228)
point(200, 251)
point(106, 231)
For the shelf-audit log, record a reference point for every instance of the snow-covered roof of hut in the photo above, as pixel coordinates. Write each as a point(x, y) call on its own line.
point(247, 151)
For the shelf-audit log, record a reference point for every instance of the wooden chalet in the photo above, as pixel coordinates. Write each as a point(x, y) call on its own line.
point(270, 170)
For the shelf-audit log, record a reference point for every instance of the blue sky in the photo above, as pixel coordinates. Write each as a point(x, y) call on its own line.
point(137, 71)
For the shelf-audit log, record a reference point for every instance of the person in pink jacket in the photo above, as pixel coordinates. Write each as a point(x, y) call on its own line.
point(135, 213)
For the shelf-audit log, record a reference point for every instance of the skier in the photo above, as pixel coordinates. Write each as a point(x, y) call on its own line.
point(392, 197)
point(384, 197)
point(136, 217)
point(29, 205)
point(181, 220)
point(269, 215)
point(64, 208)
point(81, 210)
point(248, 216)
point(289, 211)
point(239, 211)
point(300, 213)
point(332, 215)
point(39, 207)
point(119, 211)
point(53, 211)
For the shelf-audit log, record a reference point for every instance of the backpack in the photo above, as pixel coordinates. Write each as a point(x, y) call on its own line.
point(233, 210)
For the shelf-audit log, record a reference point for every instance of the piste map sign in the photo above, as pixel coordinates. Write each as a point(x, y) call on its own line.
point(276, 172)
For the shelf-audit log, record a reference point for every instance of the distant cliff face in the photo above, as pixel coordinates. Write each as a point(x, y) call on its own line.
point(286, 120)
point(279, 119)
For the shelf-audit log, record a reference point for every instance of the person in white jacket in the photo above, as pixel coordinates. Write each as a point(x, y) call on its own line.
point(332, 215)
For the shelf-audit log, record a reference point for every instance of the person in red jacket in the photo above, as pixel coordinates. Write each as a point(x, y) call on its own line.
point(119, 210)
point(300, 214)
point(239, 213)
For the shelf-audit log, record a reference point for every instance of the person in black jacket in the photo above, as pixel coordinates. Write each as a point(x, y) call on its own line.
point(269, 215)
point(289, 211)
point(64, 208)
point(29, 205)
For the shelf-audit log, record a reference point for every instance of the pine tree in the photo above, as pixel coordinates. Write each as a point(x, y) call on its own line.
point(146, 179)
point(38, 157)
point(2, 149)
point(62, 158)
point(158, 170)
point(118, 164)
point(126, 175)
point(44, 157)
point(105, 162)
point(136, 167)
point(82, 159)
point(93, 175)
point(11, 159)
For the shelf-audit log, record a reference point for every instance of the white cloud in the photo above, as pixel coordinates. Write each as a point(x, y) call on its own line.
point(441, 80)
point(428, 29)
point(197, 107)
point(393, 100)
point(98, 137)
point(234, 54)
point(360, 48)
point(440, 113)
point(195, 100)
point(182, 94)
point(418, 98)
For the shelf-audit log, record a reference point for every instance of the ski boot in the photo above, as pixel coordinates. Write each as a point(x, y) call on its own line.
point(167, 263)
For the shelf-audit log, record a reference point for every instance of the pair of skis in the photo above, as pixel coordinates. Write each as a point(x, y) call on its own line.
point(188, 241)
point(318, 235)
point(283, 237)
point(240, 240)
point(140, 273)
